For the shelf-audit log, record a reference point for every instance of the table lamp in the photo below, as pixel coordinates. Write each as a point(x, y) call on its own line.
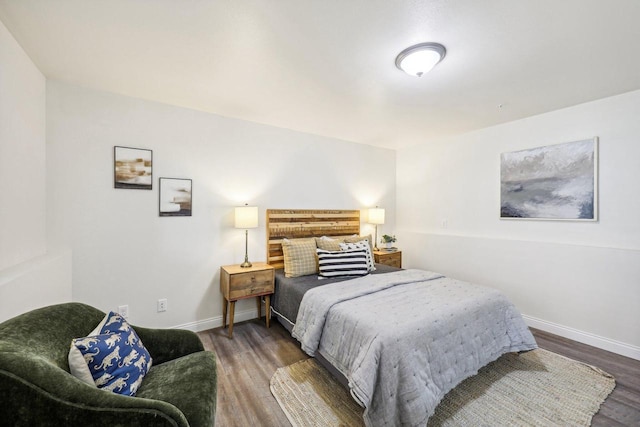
point(376, 216)
point(246, 217)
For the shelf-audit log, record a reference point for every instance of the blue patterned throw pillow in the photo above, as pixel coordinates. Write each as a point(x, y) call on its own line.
point(111, 358)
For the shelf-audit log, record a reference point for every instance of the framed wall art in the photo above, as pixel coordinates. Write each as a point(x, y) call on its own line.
point(554, 182)
point(133, 168)
point(175, 197)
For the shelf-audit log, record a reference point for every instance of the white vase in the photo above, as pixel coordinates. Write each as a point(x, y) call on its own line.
point(389, 245)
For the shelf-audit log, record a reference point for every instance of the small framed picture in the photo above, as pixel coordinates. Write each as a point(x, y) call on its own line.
point(175, 197)
point(133, 168)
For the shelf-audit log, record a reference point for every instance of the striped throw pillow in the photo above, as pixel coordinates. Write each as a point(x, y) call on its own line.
point(352, 262)
point(361, 245)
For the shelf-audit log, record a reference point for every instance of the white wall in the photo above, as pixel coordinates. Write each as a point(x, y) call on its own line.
point(22, 155)
point(578, 279)
point(30, 275)
point(123, 253)
point(39, 282)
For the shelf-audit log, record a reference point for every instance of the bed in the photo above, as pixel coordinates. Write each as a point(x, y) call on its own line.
point(399, 340)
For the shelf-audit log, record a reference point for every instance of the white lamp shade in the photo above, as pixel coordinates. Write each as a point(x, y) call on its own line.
point(376, 216)
point(246, 217)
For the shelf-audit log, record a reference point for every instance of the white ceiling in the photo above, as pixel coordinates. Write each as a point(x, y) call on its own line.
point(327, 66)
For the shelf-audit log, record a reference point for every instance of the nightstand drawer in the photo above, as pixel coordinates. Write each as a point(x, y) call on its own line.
point(236, 283)
point(393, 262)
point(392, 259)
point(250, 283)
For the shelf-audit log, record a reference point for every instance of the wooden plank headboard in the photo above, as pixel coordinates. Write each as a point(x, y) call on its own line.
point(299, 223)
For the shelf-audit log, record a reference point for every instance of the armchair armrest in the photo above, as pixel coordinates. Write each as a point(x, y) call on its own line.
point(51, 396)
point(168, 344)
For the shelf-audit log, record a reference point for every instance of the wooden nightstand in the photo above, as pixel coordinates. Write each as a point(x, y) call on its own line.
point(394, 259)
point(239, 283)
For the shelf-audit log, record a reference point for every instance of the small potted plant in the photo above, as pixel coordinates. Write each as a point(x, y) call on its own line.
point(388, 240)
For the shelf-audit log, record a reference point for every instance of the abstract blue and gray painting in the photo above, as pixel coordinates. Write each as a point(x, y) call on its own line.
point(552, 182)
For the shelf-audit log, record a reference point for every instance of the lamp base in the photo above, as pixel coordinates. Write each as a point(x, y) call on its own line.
point(246, 263)
point(375, 242)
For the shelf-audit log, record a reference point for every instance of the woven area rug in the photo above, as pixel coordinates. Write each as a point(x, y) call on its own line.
point(538, 388)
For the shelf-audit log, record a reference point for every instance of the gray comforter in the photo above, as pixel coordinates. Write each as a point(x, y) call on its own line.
point(289, 291)
point(404, 339)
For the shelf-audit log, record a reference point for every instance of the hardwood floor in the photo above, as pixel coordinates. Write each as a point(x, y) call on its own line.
point(622, 407)
point(247, 362)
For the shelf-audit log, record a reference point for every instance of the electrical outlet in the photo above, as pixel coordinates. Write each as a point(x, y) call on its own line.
point(162, 305)
point(124, 311)
point(445, 223)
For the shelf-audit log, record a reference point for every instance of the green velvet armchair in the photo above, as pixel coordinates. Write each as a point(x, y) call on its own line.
point(36, 388)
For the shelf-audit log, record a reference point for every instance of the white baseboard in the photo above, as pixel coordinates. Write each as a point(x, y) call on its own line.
point(613, 346)
point(216, 322)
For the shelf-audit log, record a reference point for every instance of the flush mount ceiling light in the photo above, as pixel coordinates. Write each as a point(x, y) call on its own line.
point(420, 58)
